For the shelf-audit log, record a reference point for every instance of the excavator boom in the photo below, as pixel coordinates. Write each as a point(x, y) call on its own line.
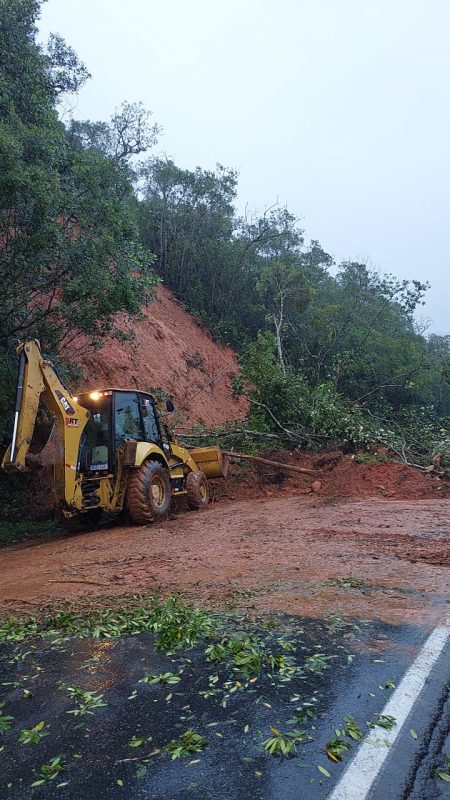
point(38, 381)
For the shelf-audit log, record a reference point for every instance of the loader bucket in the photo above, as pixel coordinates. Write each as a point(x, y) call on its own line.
point(46, 448)
point(211, 461)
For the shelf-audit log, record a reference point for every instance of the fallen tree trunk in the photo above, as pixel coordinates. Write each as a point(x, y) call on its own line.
point(259, 460)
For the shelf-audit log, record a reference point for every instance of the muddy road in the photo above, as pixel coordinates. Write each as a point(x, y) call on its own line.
point(373, 558)
point(356, 589)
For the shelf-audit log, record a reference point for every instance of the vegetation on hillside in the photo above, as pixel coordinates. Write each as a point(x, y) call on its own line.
point(329, 352)
point(70, 255)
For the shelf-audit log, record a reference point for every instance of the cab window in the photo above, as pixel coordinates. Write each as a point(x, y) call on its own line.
point(127, 418)
point(151, 429)
point(95, 441)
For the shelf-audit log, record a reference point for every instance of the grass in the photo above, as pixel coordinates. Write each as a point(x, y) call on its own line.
point(25, 531)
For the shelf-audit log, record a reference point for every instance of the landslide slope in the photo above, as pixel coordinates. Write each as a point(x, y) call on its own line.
point(171, 350)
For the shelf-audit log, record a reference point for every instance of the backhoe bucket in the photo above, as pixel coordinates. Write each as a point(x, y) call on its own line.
point(46, 448)
point(211, 461)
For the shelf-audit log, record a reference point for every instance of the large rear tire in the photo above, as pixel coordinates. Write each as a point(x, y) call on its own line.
point(148, 493)
point(197, 490)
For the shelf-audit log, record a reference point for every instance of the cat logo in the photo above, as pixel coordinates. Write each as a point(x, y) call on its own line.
point(72, 422)
point(64, 402)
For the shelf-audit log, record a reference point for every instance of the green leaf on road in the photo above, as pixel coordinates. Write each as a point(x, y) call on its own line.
point(323, 770)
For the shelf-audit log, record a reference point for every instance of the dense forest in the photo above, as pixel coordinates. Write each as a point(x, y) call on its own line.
point(90, 221)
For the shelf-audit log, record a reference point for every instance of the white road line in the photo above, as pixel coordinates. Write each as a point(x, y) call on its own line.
point(359, 776)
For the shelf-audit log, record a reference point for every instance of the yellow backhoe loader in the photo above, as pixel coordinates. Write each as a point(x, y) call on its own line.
point(108, 448)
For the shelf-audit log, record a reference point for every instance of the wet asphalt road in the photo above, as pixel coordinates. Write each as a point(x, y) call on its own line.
point(363, 662)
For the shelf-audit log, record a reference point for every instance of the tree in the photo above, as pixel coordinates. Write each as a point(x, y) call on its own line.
point(70, 256)
point(283, 286)
point(129, 133)
point(67, 73)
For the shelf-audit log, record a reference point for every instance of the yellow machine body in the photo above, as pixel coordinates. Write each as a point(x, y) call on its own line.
point(211, 461)
point(75, 490)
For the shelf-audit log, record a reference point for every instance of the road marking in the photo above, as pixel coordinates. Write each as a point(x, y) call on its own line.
point(359, 776)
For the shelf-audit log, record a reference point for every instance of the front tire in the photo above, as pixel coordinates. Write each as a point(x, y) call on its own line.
point(148, 493)
point(197, 490)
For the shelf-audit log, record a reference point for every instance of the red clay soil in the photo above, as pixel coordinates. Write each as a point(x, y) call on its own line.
point(173, 351)
point(285, 555)
point(340, 476)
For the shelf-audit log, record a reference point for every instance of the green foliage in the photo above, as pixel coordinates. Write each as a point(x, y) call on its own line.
point(33, 735)
point(70, 256)
point(328, 356)
point(337, 748)
point(444, 774)
point(352, 728)
point(317, 663)
point(50, 771)
point(89, 701)
point(386, 721)
point(175, 623)
point(178, 624)
point(283, 744)
point(5, 720)
point(248, 656)
point(281, 400)
point(189, 742)
point(167, 678)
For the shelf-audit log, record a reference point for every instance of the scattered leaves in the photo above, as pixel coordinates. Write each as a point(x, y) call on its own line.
point(6, 720)
point(50, 771)
point(189, 742)
point(33, 735)
point(283, 743)
point(383, 721)
point(168, 678)
point(337, 748)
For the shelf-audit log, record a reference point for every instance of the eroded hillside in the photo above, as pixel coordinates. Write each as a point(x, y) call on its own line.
point(173, 351)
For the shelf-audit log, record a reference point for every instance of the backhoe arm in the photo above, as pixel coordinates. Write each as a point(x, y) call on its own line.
point(38, 380)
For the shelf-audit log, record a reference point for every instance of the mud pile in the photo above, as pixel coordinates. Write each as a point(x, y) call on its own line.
point(171, 350)
point(338, 476)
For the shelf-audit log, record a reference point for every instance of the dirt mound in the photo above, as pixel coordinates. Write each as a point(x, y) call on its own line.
point(173, 351)
point(338, 476)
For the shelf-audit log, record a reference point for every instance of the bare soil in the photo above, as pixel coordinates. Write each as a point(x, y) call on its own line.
point(281, 548)
point(171, 350)
point(340, 476)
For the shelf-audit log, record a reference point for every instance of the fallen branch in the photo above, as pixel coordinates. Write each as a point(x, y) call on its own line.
point(278, 464)
point(93, 583)
point(236, 432)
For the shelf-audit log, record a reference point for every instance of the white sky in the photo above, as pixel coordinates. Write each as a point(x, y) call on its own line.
point(338, 108)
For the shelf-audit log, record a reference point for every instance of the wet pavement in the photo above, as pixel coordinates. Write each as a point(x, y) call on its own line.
point(346, 668)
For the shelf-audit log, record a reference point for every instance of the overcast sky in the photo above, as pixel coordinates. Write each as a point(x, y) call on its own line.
point(338, 108)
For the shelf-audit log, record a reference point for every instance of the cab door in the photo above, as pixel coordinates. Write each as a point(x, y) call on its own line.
point(152, 430)
point(127, 418)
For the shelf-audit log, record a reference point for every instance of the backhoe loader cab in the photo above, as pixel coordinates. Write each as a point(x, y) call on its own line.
point(107, 448)
point(115, 416)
